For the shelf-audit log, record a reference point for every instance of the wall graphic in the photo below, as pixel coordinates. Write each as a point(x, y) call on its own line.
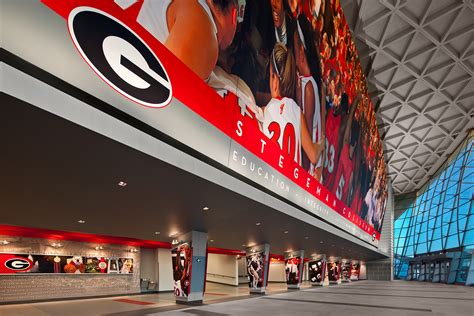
point(355, 270)
point(316, 271)
point(281, 79)
point(293, 271)
point(255, 269)
point(334, 270)
point(182, 263)
point(31, 263)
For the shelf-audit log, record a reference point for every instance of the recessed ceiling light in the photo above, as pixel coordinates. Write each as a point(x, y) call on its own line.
point(205, 208)
point(342, 247)
point(332, 245)
point(306, 237)
point(134, 250)
point(258, 223)
point(212, 240)
point(99, 248)
point(285, 232)
point(173, 234)
point(174, 242)
point(4, 242)
point(244, 245)
point(122, 184)
point(81, 221)
point(56, 245)
point(157, 233)
point(321, 242)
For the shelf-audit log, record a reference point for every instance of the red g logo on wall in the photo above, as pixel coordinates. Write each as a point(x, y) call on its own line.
point(115, 52)
point(12, 264)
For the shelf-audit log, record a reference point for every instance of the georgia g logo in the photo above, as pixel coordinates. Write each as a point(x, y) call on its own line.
point(120, 57)
point(18, 264)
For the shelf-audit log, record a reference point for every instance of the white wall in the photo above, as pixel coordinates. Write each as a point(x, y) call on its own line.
point(363, 271)
point(242, 270)
point(277, 272)
point(222, 269)
point(165, 270)
point(149, 264)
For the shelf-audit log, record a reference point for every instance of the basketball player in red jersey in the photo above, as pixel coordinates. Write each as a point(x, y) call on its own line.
point(308, 98)
point(283, 120)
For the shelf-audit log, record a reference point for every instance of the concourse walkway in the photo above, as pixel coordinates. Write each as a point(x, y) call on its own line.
point(357, 298)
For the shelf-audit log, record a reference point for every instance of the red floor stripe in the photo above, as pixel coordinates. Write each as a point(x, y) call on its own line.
point(126, 300)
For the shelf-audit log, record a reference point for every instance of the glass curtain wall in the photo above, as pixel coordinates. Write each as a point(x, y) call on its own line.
point(440, 221)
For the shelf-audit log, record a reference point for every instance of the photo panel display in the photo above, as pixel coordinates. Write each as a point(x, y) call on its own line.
point(281, 78)
point(316, 271)
point(34, 263)
point(334, 271)
point(293, 270)
point(345, 270)
point(355, 270)
point(255, 269)
point(181, 257)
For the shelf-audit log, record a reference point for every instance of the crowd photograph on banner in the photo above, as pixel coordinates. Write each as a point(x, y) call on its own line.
point(295, 70)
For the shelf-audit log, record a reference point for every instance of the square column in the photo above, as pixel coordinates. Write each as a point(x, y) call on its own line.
point(189, 267)
point(317, 270)
point(345, 270)
point(294, 262)
point(355, 270)
point(258, 258)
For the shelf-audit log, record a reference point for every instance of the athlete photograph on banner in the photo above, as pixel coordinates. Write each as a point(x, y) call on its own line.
point(182, 260)
point(255, 269)
point(292, 269)
point(316, 270)
point(355, 271)
point(294, 66)
point(334, 271)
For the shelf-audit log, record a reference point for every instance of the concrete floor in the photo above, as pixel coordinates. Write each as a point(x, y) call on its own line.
point(357, 298)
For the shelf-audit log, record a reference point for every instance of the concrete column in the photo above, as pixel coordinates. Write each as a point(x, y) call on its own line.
point(189, 267)
point(334, 270)
point(258, 258)
point(294, 262)
point(317, 270)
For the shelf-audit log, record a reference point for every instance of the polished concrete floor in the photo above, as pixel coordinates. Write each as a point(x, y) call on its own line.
point(357, 298)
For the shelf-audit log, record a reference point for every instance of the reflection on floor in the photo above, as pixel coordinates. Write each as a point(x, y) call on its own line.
point(357, 298)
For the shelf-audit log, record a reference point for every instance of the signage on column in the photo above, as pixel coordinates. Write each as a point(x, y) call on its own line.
point(355, 270)
point(317, 270)
point(255, 270)
point(334, 270)
point(257, 267)
point(287, 91)
point(294, 263)
point(345, 270)
point(181, 256)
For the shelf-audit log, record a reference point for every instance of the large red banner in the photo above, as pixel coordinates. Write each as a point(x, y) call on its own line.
point(287, 87)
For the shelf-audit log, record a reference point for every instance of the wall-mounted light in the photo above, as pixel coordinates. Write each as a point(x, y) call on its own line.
point(133, 250)
point(285, 232)
point(205, 208)
point(56, 245)
point(4, 242)
point(81, 221)
point(258, 223)
point(174, 242)
point(99, 248)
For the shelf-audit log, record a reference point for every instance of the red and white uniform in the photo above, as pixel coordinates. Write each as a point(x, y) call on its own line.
point(315, 130)
point(282, 123)
point(345, 168)
point(333, 123)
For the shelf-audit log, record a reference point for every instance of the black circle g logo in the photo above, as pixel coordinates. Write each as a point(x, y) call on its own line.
point(120, 57)
point(18, 264)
